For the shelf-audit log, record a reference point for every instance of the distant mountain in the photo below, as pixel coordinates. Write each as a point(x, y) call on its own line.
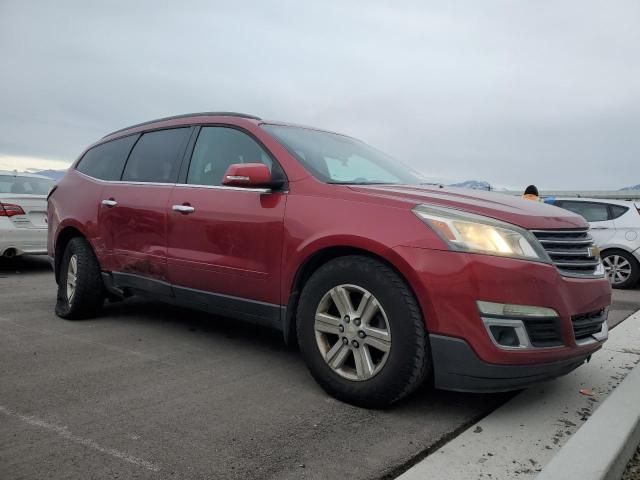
point(473, 184)
point(635, 187)
point(52, 174)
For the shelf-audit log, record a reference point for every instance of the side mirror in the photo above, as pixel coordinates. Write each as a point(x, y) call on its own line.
point(250, 175)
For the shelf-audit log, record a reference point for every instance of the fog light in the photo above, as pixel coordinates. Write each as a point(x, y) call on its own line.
point(507, 333)
point(507, 325)
point(510, 310)
point(505, 336)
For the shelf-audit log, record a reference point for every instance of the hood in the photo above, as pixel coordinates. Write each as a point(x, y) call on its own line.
point(524, 213)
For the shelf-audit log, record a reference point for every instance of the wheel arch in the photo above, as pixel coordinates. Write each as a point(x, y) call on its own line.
point(621, 248)
point(63, 238)
point(318, 258)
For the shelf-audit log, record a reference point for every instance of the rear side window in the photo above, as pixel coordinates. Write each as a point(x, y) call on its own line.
point(219, 147)
point(591, 211)
point(106, 161)
point(617, 211)
point(156, 157)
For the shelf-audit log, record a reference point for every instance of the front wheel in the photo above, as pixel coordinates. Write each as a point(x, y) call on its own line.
point(622, 268)
point(80, 288)
point(361, 332)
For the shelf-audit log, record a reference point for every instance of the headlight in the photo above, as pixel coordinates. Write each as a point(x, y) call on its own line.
point(468, 232)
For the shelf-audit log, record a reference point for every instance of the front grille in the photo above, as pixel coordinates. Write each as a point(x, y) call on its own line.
point(587, 324)
point(543, 332)
point(571, 251)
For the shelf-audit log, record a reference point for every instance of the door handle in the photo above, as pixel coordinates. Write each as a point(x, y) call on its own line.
point(599, 228)
point(109, 203)
point(183, 209)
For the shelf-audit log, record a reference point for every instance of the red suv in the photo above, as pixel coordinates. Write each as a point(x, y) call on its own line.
point(383, 280)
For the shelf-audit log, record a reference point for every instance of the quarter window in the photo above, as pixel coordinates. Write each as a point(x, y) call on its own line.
point(156, 157)
point(617, 211)
point(591, 211)
point(106, 161)
point(219, 147)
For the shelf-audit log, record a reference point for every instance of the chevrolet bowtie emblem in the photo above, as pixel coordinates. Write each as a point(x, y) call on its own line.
point(593, 251)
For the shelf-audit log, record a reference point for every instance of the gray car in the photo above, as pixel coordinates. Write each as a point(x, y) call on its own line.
point(615, 227)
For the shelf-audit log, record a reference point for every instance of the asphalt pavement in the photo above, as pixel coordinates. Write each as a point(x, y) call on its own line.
point(153, 391)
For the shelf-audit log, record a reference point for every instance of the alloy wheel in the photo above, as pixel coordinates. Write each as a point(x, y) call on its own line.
point(72, 276)
point(618, 268)
point(352, 332)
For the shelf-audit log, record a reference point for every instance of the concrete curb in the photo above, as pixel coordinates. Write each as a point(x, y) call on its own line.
point(601, 448)
point(519, 439)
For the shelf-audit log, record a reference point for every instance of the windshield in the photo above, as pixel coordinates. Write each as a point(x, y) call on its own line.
point(334, 158)
point(25, 185)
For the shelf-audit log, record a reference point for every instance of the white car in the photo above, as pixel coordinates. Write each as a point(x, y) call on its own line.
point(615, 227)
point(23, 214)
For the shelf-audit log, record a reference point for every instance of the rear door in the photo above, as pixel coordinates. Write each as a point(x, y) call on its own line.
point(133, 217)
point(597, 214)
point(225, 247)
point(627, 221)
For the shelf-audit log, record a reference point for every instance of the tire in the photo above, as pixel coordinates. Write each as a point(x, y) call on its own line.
point(384, 378)
point(88, 295)
point(622, 268)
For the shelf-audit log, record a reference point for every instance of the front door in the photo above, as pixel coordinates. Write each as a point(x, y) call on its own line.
point(225, 244)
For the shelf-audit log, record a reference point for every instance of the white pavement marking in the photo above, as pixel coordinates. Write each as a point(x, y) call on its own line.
point(87, 442)
point(517, 440)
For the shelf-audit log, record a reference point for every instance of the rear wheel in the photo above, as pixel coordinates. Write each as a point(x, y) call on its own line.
point(80, 289)
point(361, 332)
point(622, 268)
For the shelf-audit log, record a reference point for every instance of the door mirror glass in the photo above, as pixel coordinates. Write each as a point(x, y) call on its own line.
point(249, 175)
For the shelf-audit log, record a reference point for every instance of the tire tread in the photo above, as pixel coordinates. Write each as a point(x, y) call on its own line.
point(89, 295)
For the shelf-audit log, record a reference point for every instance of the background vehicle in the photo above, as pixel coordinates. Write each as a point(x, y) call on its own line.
point(23, 213)
point(384, 282)
point(615, 227)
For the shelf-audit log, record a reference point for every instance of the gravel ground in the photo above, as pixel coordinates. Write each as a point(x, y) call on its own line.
point(633, 468)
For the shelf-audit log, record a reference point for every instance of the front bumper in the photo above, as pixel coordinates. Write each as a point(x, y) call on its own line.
point(448, 285)
point(458, 368)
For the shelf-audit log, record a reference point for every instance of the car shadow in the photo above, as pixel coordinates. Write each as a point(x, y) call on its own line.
point(183, 319)
point(212, 329)
point(27, 263)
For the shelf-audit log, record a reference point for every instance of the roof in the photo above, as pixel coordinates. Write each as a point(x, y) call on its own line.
point(598, 200)
point(187, 115)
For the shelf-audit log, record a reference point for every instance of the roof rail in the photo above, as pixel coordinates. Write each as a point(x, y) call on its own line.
point(199, 114)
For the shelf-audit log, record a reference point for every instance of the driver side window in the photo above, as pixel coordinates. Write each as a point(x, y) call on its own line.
point(219, 147)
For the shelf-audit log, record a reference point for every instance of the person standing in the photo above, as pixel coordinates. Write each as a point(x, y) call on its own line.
point(531, 193)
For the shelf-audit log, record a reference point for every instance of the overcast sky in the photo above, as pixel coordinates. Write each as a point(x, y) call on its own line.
point(512, 92)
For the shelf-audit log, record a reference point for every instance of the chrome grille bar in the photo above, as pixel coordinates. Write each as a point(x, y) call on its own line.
point(586, 241)
point(571, 252)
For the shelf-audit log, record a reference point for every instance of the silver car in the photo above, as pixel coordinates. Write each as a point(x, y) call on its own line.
point(615, 227)
point(23, 214)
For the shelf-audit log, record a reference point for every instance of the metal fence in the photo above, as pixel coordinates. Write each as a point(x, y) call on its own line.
point(612, 195)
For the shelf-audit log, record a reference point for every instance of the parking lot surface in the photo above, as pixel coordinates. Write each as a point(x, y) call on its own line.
point(152, 391)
